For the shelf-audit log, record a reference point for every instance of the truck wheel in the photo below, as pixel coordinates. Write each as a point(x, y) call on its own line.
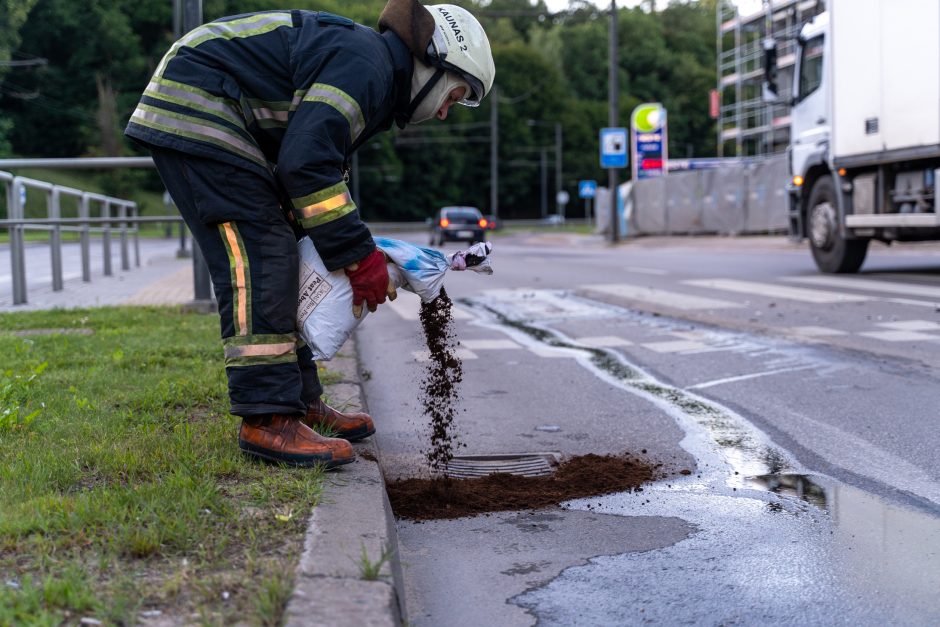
point(832, 252)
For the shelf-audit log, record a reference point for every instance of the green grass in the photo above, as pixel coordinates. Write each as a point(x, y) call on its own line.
point(121, 485)
point(569, 227)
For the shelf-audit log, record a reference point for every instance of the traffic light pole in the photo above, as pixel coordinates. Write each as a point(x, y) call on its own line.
point(612, 119)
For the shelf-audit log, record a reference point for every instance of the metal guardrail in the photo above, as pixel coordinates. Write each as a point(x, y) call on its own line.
point(124, 220)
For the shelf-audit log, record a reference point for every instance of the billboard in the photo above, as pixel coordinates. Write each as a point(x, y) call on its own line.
point(649, 141)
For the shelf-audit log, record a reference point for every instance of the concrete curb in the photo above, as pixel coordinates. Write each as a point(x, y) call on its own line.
point(353, 518)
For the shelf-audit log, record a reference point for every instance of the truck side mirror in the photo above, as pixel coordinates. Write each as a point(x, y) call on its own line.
point(769, 88)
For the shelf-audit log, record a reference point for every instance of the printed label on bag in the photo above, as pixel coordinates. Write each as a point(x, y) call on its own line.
point(313, 289)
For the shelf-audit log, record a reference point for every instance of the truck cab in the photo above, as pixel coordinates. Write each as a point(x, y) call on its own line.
point(864, 152)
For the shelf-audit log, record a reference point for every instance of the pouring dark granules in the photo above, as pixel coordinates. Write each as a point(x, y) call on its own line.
point(443, 375)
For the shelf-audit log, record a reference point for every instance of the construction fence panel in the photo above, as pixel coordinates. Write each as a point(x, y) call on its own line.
point(767, 197)
point(649, 207)
point(730, 200)
point(683, 203)
point(730, 196)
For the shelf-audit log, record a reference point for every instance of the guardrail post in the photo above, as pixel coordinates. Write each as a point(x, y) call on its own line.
point(17, 254)
point(85, 238)
point(135, 213)
point(106, 237)
point(125, 259)
point(54, 201)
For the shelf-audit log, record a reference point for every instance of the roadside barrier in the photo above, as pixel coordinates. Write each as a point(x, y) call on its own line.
point(116, 216)
point(741, 198)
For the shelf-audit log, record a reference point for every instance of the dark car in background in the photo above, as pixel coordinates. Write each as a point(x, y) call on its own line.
point(458, 224)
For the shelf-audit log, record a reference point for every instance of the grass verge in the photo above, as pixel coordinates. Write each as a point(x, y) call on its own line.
point(122, 491)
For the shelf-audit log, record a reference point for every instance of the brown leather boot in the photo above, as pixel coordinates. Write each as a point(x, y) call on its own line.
point(280, 438)
point(351, 427)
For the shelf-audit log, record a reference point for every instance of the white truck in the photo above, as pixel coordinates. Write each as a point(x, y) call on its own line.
point(864, 152)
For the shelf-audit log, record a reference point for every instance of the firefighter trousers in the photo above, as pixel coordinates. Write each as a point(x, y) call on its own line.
point(236, 217)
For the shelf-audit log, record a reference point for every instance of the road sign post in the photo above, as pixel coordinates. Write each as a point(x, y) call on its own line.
point(587, 189)
point(614, 144)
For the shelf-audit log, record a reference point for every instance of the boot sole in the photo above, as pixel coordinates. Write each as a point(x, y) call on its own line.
point(292, 459)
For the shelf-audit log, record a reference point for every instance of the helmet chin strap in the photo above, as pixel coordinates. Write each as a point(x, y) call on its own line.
point(421, 95)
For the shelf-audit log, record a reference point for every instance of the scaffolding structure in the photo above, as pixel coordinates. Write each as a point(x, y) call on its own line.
point(747, 126)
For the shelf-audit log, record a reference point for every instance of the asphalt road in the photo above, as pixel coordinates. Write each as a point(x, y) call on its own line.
point(805, 406)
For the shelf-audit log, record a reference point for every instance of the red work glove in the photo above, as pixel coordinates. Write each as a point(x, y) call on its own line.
point(369, 281)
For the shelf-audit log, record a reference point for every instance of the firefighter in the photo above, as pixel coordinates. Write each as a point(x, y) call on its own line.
point(251, 120)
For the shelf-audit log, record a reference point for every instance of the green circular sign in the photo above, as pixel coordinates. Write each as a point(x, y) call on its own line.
point(649, 118)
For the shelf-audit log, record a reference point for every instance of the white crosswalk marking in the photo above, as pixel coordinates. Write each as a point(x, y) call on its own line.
point(460, 353)
point(873, 285)
point(901, 336)
point(911, 325)
point(489, 345)
point(676, 346)
point(661, 297)
point(653, 271)
point(811, 331)
point(771, 290)
point(603, 341)
point(408, 307)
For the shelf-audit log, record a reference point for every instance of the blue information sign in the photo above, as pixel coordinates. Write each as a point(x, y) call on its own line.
point(613, 147)
point(587, 189)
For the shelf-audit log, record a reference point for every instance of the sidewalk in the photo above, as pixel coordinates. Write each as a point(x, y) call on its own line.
point(350, 529)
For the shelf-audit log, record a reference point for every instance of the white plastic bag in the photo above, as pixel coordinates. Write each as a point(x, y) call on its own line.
point(324, 310)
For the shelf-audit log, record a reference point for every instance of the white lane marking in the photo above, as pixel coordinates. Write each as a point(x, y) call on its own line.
point(408, 307)
point(901, 336)
point(771, 290)
point(460, 313)
point(911, 325)
point(746, 377)
point(461, 353)
point(553, 352)
point(603, 341)
point(637, 270)
point(873, 285)
point(811, 331)
point(676, 346)
point(538, 304)
point(661, 297)
point(488, 345)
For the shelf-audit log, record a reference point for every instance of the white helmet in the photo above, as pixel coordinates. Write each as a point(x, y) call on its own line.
point(459, 45)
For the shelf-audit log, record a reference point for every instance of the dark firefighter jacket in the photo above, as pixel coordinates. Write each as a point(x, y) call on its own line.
point(291, 93)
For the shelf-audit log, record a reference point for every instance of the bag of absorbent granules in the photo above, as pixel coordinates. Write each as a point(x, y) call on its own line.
point(325, 318)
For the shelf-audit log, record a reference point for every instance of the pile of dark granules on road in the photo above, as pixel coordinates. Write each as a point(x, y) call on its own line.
point(577, 477)
point(442, 377)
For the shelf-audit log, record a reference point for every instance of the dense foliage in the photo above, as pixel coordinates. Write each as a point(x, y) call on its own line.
point(550, 69)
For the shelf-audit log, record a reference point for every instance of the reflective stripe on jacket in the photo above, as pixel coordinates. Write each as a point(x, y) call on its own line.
point(291, 93)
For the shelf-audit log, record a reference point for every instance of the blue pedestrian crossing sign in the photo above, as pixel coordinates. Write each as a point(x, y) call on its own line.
point(587, 189)
point(614, 147)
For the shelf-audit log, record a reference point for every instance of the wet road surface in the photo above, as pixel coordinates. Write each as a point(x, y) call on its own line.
point(813, 496)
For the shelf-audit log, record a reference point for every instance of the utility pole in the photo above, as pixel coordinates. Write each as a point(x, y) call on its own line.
point(612, 119)
point(544, 164)
point(559, 208)
point(494, 153)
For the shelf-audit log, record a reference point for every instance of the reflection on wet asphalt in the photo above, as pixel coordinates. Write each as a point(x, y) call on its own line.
point(774, 544)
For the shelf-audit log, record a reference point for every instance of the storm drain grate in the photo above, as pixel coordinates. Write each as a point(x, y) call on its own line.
point(524, 464)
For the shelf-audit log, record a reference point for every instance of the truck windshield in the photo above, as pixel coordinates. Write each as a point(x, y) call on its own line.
point(811, 66)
